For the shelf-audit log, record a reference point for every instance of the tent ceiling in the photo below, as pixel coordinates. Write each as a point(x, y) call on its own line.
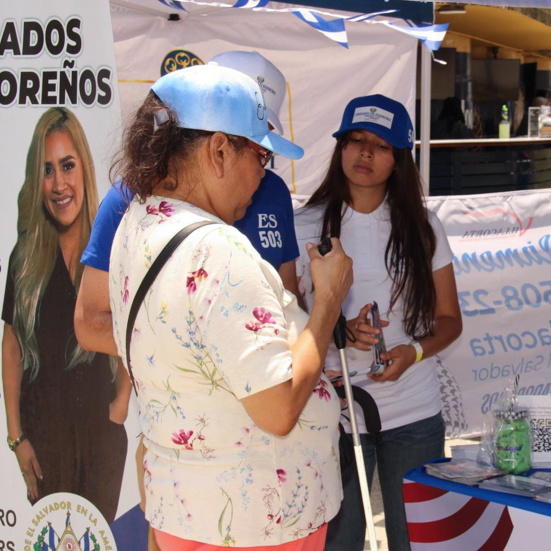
point(500, 27)
point(405, 9)
point(503, 3)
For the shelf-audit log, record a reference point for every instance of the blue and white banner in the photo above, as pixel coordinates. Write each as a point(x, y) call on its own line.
point(502, 265)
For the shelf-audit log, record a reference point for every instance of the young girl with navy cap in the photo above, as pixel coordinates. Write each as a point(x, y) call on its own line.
point(372, 199)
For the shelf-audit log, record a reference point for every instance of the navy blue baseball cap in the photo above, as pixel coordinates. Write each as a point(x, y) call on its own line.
point(383, 116)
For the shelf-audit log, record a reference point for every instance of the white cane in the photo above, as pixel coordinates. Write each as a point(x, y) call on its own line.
point(339, 335)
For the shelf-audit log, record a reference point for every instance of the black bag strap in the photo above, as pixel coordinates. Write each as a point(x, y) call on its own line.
point(148, 280)
point(369, 408)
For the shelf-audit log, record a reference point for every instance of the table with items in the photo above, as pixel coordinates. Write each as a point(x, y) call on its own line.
point(444, 515)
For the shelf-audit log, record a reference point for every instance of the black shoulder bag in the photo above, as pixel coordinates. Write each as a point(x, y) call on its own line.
point(148, 280)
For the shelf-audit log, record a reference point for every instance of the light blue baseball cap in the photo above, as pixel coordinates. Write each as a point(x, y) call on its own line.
point(219, 99)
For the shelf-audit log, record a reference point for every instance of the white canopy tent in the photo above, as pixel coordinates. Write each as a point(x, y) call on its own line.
point(328, 57)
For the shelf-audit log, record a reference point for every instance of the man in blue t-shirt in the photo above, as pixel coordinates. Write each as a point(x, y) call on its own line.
point(108, 218)
point(268, 222)
point(93, 322)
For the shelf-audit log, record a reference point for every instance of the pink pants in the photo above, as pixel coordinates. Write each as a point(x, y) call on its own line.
point(313, 542)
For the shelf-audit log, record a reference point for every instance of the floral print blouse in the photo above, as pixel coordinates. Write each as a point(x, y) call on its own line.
point(217, 327)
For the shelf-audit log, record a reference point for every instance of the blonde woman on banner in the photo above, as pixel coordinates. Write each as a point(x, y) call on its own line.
point(57, 395)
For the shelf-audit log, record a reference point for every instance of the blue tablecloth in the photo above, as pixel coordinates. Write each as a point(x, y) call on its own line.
point(420, 476)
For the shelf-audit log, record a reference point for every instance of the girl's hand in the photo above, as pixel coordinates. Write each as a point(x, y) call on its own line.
point(402, 357)
point(364, 333)
point(30, 468)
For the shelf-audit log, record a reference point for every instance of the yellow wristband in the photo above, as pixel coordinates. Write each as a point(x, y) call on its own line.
point(418, 349)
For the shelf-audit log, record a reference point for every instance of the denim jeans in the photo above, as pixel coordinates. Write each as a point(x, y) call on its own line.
point(395, 452)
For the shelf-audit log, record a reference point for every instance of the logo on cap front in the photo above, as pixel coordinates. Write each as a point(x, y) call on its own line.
point(374, 115)
point(264, 87)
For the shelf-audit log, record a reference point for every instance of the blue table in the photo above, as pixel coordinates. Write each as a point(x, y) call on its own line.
point(447, 516)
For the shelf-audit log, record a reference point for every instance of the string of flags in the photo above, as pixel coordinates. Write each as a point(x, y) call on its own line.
point(173, 4)
point(430, 35)
point(332, 25)
point(333, 29)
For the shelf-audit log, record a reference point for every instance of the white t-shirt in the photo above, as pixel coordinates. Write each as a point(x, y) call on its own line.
point(217, 327)
point(364, 237)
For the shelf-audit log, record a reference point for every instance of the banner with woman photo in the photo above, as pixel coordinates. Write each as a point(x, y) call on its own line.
point(68, 469)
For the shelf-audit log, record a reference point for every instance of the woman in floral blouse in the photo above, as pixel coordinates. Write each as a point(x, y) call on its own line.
point(239, 423)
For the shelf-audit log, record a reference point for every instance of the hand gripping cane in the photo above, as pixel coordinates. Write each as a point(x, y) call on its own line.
point(339, 334)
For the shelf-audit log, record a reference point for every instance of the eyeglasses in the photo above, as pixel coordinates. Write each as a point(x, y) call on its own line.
point(264, 155)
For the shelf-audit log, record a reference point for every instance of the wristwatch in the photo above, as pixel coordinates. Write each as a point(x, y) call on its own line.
point(12, 444)
point(418, 349)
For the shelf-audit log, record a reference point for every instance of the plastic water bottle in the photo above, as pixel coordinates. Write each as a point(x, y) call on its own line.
point(512, 441)
point(504, 125)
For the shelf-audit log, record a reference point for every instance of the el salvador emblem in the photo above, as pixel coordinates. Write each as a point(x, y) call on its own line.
point(66, 522)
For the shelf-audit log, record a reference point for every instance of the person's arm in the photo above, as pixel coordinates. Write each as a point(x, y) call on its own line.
point(12, 374)
point(447, 328)
point(277, 409)
point(118, 408)
point(93, 321)
point(288, 274)
point(94, 332)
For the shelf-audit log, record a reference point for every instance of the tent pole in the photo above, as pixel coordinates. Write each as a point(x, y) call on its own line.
point(424, 153)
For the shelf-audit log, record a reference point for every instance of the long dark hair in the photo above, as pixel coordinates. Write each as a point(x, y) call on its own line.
point(411, 245)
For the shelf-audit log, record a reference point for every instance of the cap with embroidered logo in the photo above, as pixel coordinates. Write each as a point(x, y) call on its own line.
point(265, 73)
point(219, 99)
point(381, 115)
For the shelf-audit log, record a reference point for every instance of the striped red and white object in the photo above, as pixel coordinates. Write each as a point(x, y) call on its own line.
point(439, 520)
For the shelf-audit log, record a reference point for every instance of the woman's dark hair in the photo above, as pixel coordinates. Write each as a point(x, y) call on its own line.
point(154, 149)
point(411, 245)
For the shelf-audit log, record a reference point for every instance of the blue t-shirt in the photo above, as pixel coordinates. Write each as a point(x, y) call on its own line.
point(268, 222)
point(108, 218)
